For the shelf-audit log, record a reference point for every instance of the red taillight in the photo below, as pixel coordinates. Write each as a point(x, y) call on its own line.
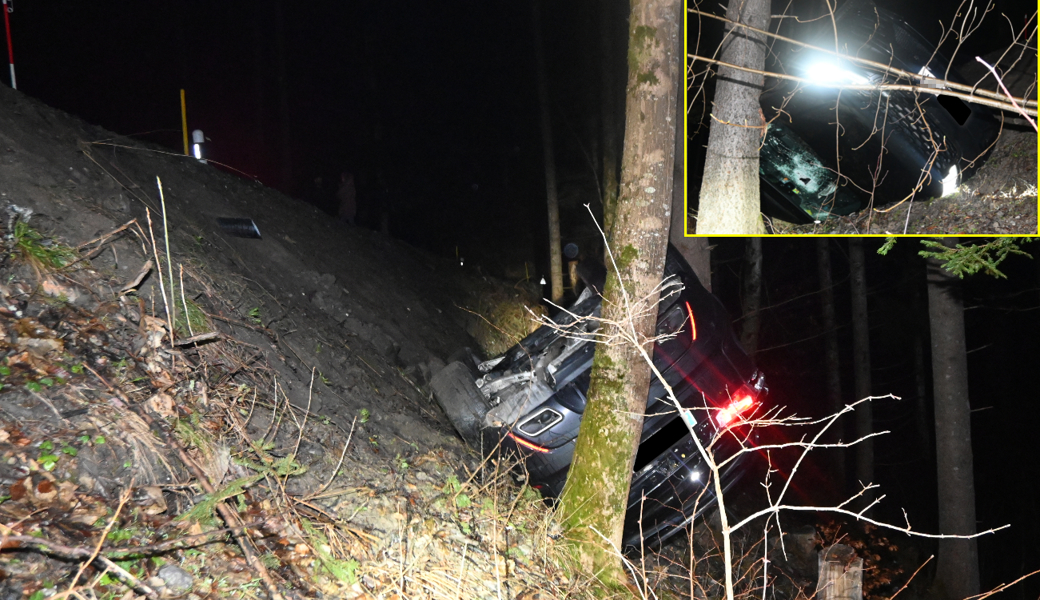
point(693, 324)
point(733, 410)
point(526, 444)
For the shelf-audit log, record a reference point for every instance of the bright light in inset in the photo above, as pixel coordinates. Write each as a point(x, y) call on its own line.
point(695, 475)
point(828, 73)
point(950, 182)
point(198, 151)
point(926, 72)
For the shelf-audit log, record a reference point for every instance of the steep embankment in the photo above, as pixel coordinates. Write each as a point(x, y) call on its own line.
point(356, 485)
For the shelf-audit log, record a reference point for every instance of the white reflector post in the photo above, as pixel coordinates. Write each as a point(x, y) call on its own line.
point(198, 138)
point(950, 182)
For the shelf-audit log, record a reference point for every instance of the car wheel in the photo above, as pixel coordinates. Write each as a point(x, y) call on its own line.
point(461, 400)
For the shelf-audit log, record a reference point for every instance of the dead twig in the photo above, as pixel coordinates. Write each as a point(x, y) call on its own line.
point(27, 542)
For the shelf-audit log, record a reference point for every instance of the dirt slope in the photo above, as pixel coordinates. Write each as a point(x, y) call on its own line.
point(369, 316)
point(354, 304)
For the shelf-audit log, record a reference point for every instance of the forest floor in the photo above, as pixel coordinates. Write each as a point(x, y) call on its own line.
point(291, 448)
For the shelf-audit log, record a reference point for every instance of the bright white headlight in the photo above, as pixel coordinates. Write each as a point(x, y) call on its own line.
point(829, 73)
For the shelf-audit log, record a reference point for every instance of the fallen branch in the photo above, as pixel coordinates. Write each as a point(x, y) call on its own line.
point(27, 542)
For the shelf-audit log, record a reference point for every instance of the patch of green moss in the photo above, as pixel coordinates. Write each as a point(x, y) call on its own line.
point(650, 78)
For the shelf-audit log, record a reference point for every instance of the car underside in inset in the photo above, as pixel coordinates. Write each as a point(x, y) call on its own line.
point(829, 151)
point(530, 400)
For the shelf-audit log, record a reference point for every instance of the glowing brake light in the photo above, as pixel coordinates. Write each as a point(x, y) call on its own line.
point(693, 324)
point(526, 444)
point(733, 410)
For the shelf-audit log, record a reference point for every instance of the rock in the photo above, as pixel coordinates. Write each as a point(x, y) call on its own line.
point(176, 578)
point(412, 354)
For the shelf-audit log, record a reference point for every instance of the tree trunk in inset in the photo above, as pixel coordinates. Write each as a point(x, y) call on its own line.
point(552, 201)
point(596, 493)
point(861, 363)
point(957, 569)
point(729, 198)
point(752, 295)
point(831, 357)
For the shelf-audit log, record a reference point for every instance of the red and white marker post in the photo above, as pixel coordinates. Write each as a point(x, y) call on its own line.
point(10, 46)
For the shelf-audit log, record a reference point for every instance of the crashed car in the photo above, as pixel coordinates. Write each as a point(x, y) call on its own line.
point(530, 401)
point(893, 144)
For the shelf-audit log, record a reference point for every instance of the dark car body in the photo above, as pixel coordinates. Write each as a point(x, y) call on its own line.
point(893, 143)
point(531, 399)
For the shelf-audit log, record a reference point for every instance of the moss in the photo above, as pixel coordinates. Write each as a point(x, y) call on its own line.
point(644, 35)
point(643, 38)
point(597, 486)
point(650, 78)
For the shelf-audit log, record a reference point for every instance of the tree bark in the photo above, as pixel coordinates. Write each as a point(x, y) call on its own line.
point(921, 421)
point(695, 250)
point(752, 295)
point(832, 358)
point(729, 197)
point(609, 116)
point(861, 363)
point(552, 200)
point(595, 496)
point(957, 569)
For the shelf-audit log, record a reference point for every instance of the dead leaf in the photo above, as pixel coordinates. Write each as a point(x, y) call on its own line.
point(162, 405)
point(45, 492)
point(18, 489)
point(151, 499)
point(67, 492)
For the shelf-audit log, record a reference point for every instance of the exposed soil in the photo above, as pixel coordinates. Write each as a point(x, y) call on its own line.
point(304, 406)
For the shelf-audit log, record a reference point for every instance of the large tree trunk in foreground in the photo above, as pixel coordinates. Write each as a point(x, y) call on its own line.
point(729, 198)
point(861, 363)
point(595, 496)
point(831, 357)
point(957, 571)
point(552, 201)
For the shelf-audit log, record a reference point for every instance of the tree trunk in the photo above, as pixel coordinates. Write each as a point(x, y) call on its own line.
point(861, 363)
point(729, 198)
point(595, 496)
point(697, 252)
point(694, 249)
point(921, 421)
point(608, 115)
point(752, 295)
point(831, 358)
point(555, 246)
point(957, 570)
